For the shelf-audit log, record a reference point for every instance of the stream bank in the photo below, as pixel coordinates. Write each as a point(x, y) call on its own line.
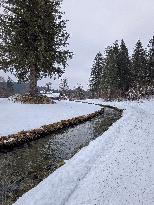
point(25, 166)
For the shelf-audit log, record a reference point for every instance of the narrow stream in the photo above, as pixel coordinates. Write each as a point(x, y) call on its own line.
point(24, 167)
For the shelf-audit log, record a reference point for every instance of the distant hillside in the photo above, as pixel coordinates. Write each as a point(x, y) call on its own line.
point(20, 88)
point(7, 90)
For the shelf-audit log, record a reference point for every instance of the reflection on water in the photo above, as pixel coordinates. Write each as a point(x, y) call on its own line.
point(23, 168)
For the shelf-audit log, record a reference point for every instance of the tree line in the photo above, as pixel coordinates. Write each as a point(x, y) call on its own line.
point(119, 75)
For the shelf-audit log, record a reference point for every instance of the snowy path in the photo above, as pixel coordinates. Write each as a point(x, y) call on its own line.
point(115, 169)
point(15, 117)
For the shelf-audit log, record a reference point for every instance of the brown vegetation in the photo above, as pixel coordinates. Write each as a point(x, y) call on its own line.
point(7, 143)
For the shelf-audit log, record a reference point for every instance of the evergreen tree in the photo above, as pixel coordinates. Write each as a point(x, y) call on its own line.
point(79, 93)
point(10, 86)
point(64, 86)
point(96, 75)
point(33, 38)
point(111, 77)
point(124, 68)
point(151, 63)
point(139, 71)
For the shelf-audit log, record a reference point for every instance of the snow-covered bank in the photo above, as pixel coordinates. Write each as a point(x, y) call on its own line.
point(15, 117)
point(115, 169)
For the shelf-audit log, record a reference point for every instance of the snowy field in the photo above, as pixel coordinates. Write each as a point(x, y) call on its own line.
point(115, 169)
point(15, 117)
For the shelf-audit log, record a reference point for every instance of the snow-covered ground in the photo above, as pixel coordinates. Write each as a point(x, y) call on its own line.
point(115, 169)
point(15, 117)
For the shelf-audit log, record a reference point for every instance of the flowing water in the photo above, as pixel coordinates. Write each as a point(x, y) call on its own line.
point(23, 168)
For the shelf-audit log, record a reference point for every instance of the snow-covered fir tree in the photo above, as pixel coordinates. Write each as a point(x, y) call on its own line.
point(124, 68)
point(96, 75)
point(111, 76)
point(139, 70)
point(151, 63)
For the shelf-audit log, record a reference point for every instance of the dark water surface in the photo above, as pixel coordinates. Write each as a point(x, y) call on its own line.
point(24, 167)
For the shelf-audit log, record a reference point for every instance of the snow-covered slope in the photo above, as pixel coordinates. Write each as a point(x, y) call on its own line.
point(115, 169)
point(15, 117)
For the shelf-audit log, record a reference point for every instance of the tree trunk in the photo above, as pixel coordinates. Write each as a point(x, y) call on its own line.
point(33, 81)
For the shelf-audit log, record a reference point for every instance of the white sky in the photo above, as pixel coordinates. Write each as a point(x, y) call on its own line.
point(95, 24)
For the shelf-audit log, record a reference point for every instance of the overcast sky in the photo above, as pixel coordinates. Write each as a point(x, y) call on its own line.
point(95, 24)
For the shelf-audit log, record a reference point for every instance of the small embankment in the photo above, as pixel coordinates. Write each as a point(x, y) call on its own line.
point(14, 140)
point(34, 161)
